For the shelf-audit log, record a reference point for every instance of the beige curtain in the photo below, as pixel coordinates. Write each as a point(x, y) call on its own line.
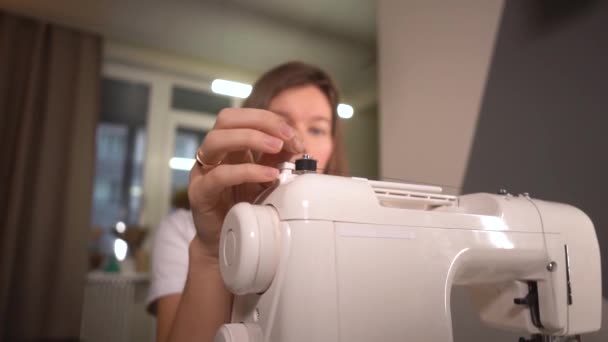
point(49, 94)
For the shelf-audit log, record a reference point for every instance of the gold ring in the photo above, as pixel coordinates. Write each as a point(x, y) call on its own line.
point(199, 160)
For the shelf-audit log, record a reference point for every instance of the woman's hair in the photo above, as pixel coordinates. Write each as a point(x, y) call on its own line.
point(296, 74)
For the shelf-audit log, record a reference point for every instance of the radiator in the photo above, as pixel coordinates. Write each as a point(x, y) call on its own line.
point(114, 309)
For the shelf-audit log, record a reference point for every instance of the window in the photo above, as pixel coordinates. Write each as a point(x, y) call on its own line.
point(147, 118)
point(120, 146)
point(183, 98)
point(187, 141)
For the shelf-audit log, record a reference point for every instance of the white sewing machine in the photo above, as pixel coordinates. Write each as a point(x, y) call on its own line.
point(325, 258)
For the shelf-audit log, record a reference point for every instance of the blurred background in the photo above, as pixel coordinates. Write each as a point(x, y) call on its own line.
point(104, 103)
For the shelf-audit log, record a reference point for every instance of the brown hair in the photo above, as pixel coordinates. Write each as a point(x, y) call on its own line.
point(295, 74)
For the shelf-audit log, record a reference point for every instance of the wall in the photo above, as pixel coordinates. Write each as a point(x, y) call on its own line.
point(542, 124)
point(221, 32)
point(433, 59)
point(361, 139)
point(480, 97)
point(118, 51)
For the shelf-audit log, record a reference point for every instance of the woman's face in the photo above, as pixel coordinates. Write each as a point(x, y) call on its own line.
point(307, 110)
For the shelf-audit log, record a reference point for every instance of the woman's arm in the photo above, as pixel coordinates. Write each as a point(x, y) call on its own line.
point(166, 307)
point(225, 161)
point(204, 305)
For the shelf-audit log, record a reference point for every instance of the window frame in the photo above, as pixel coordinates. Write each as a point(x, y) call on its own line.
point(161, 125)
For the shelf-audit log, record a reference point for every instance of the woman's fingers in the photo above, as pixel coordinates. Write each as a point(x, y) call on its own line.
point(260, 119)
point(275, 159)
point(220, 142)
point(263, 120)
point(211, 184)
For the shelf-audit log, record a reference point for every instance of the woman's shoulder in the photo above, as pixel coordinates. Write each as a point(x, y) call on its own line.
point(170, 255)
point(178, 222)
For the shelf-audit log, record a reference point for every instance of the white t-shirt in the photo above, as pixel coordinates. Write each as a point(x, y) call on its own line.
point(170, 256)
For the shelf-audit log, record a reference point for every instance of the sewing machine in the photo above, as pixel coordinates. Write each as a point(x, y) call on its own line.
point(326, 258)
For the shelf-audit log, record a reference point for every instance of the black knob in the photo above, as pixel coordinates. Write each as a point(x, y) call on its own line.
point(306, 164)
point(521, 301)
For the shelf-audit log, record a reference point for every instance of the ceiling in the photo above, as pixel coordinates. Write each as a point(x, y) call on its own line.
point(354, 20)
point(252, 35)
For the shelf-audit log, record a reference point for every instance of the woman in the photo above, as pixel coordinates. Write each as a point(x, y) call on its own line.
point(291, 110)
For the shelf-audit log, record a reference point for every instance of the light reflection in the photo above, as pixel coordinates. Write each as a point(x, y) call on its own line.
point(345, 111)
point(135, 191)
point(500, 240)
point(493, 223)
point(120, 227)
point(120, 249)
point(231, 88)
point(497, 238)
point(450, 280)
point(184, 164)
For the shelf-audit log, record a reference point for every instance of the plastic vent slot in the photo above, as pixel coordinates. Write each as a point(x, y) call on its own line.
point(411, 196)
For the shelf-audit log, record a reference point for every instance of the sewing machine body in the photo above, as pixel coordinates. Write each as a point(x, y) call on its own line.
point(325, 258)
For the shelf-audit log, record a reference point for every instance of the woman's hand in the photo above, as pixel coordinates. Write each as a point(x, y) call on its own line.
point(239, 134)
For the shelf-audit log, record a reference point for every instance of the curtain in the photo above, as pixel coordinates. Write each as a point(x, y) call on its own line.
point(49, 99)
